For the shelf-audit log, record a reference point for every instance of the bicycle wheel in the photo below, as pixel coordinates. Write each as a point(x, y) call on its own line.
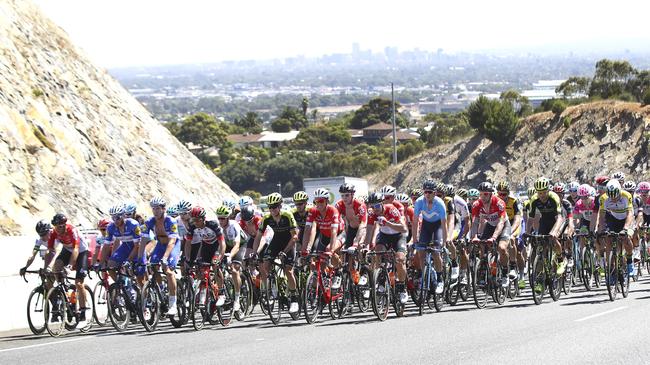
point(89, 308)
point(611, 274)
point(567, 281)
point(225, 312)
point(398, 306)
point(150, 307)
point(362, 290)
point(198, 307)
point(344, 302)
point(118, 312)
point(180, 317)
point(274, 307)
point(623, 277)
point(245, 296)
point(55, 311)
point(380, 294)
point(423, 289)
point(35, 308)
point(100, 298)
point(480, 284)
point(555, 282)
point(587, 271)
point(312, 298)
point(538, 280)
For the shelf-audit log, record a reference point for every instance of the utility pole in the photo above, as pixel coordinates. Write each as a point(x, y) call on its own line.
point(279, 185)
point(392, 94)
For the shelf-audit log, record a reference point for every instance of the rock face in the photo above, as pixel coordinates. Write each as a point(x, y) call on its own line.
point(73, 140)
point(602, 137)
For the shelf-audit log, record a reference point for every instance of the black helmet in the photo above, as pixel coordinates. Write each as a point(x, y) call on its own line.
point(347, 188)
point(59, 218)
point(429, 185)
point(247, 213)
point(375, 198)
point(42, 227)
point(486, 187)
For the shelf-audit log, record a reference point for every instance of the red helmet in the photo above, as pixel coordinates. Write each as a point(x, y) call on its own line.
point(602, 180)
point(103, 223)
point(197, 212)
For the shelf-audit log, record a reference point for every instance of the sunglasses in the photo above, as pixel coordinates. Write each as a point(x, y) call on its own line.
point(486, 193)
point(301, 203)
point(428, 191)
point(274, 206)
point(116, 217)
point(222, 218)
point(345, 195)
point(376, 206)
point(319, 201)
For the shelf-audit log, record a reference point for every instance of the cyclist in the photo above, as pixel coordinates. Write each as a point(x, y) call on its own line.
point(572, 187)
point(432, 230)
point(616, 214)
point(250, 223)
point(389, 193)
point(584, 211)
point(103, 248)
point(408, 213)
point(212, 245)
point(43, 229)
point(123, 234)
point(445, 193)
point(324, 218)
point(415, 194)
point(388, 222)
point(73, 255)
point(354, 215)
point(300, 213)
point(567, 229)
point(234, 236)
point(167, 248)
point(630, 187)
point(285, 235)
point(514, 213)
point(550, 220)
point(490, 223)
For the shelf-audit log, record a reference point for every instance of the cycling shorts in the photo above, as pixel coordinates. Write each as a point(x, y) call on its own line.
point(122, 253)
point(81, 264)
point(488, 231)
point(396, 242)
point(613, 224)
point(159, 252)
point(430, 235)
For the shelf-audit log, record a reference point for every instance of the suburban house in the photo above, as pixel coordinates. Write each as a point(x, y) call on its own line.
point(380, 131)
point(265, 139)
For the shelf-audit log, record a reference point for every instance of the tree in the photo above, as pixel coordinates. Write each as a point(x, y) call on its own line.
point(324, 136)
point(203, 130)
point(281, 125)
point(495, 118)
point(305, 105)
point(250, 122)
point(574, 86)
point(375, 111)
point(294, 116)
point(520, 103)
point(445, 128)
point(611, 78)
point(478, 112)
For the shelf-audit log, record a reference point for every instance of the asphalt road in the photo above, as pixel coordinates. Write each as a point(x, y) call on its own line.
point(584, 327)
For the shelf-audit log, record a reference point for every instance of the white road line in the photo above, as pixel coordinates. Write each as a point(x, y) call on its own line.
point(47, 343)
point(601, 314)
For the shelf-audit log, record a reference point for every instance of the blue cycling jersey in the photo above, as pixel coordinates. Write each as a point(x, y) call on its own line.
point(131, 231)
point(438, 210)
point(170, 226)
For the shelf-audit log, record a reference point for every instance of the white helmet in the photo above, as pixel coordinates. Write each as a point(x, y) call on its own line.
point(321, 193)
point(245, 201)
point(230, 203)
point(388, 190)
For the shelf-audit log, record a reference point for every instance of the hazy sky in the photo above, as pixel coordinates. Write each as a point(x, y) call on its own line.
point(144, 32)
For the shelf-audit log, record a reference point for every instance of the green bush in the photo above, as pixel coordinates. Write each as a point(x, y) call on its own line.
point(37, 93)
point(566, 121)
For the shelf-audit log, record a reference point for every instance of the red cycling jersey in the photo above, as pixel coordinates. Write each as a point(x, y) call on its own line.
point(409, 213)
point(399, 206)
point(391, 214)
point(257, 220)
point(358, 207)
point(491, 214)
point(325, 223)
point(69, 239)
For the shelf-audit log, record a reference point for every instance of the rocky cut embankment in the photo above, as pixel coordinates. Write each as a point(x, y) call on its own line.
point(73, 139)
point(602, 137)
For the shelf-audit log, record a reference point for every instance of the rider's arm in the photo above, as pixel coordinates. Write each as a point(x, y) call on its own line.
point(499, 228)
point(168, 250)
point(292, 240)
point(222, 246)
point(371, 234)
point(445, 233)
point(258, 239)
point(309, 237)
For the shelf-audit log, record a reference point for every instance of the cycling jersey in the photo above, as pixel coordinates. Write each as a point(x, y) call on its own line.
point(398, 205)
point(209, 234)
point(281, 228)
point(585, 210)
point(549, 209)
point(449, 203)
point(169, 228)
point(358, 207)
point(618, 209)
point(492, 213)
point(130, 231)
point(40, 246)
point(461, 208)
point(69, 239)
point(325, 221)
point(513, 207)
point(409, 214)
point(435, 213)
point(567, 209)
point(391, 214)
point(231, 232)
point(256, 221)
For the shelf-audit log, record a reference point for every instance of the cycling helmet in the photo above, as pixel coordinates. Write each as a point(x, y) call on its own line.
point(362, 198)
point(613, 189)
point(347, 188)
point(130, 208)
point(429, 185)
point(321, 193)
point(531, 192)
point(273, 198)
point(620, 176)
point(300, 196)
point(42, 227)
point(542, 184)
point(230, 203)
point(388, 190)
point(157, 202)
point(573, 187)
point(559, 188)
point(643, 187)
point(59, 218)
point(416, 193)
point(172, 211)
point(403, 198)
point(117, 210)
point(440, 187)
point(183, 207)
point(197, 212)
point(449, 190)
point(247, 213)
point(584, 190)
point(485, 187)
point(223, 211)
point(245, 200)
point(462, 193)
point(592, 191)
point(375, 198)
point(629, 186)
point(503, 186)
point(602, 180)
point(472, 193)
point(103, 223)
